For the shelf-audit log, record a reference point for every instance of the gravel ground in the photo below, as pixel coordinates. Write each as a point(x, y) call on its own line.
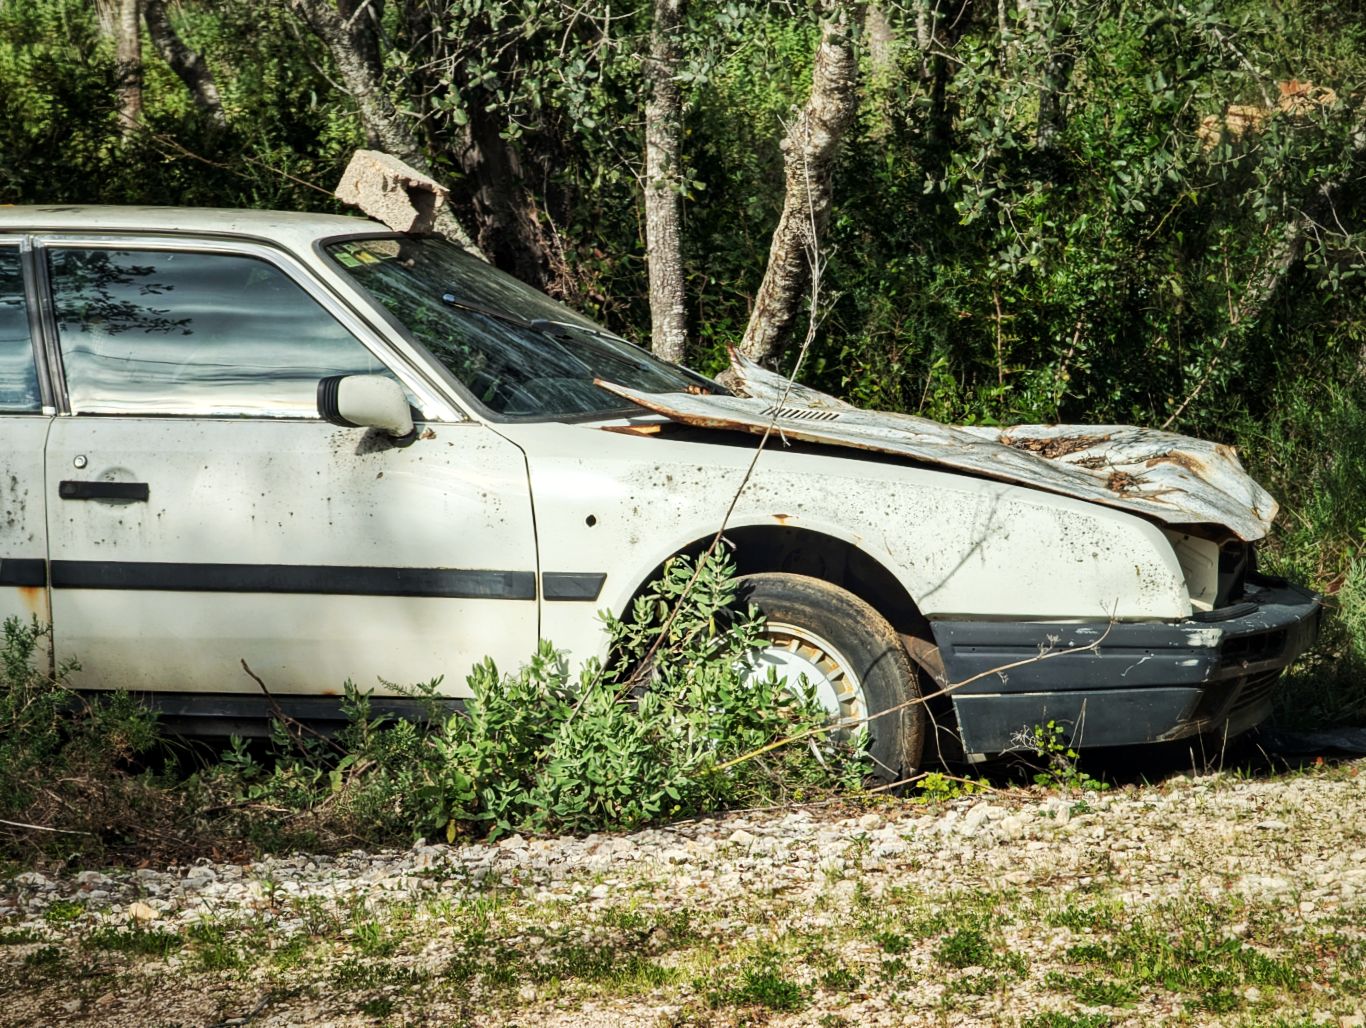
point(1211, 900)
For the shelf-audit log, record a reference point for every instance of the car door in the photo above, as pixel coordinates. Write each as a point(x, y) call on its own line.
point(201, 516)
point(23, 432)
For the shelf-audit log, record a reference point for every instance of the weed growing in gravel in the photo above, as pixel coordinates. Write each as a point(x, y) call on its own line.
point(1056, 1019)
point(212, 949)
point(1094, 992)
point(759, 981)
point(62, 912)
point(1180, 948)
point(135, 940)
point(967, 947)
point(1060, 770)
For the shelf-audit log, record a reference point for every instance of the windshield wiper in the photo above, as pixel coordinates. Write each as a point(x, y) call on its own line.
point(450, 300)
point(563, 329)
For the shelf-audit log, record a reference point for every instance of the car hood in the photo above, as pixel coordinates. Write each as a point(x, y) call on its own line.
point(1172, 478)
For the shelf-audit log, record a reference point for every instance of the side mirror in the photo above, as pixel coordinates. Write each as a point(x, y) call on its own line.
point(365, 401)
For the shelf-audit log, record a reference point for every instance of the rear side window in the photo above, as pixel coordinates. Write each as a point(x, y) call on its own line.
point(172, 332)
point(18, 376)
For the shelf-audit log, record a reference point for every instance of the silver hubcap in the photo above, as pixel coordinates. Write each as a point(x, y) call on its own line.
point(796, 652)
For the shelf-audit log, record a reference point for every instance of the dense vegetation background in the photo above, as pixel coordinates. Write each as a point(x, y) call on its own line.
point(1146, 212)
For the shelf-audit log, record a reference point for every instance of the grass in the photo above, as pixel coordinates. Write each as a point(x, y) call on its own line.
point(1181, 954)
point(1067, 955)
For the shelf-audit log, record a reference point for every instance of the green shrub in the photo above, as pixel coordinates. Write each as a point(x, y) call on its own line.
point(64, 757)
point(632, 741)
point(664, 728)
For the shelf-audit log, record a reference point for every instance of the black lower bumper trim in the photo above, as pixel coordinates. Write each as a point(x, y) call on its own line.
point(1123, 683)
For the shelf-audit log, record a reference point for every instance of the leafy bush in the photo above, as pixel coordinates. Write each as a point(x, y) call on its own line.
point(53, 739)
point(668, 726)
point(632, 741)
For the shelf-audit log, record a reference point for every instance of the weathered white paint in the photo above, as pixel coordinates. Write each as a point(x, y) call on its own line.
point(23, 534)
point(961, 546)
point(288, 492)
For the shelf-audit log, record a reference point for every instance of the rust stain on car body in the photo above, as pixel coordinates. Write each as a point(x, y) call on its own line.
point(1052, 449)
point(1189, 461)
point(34, 599)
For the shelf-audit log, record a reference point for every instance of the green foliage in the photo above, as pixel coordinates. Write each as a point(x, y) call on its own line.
point(612, 748)
point(1060, 770)
point(50, 734)
point(760, 981)
point(938, 787)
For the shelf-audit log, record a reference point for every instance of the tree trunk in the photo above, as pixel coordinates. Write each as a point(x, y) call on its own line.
point(510, 231)
point(1061, 42)
point(378, 113)
point(127, 30)
point(663, 185)
point(186, 63)
point(809, 150)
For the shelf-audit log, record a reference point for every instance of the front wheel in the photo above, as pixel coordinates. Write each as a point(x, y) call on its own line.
point(852, 658)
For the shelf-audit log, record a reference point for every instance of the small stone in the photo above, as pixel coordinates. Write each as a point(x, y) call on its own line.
point(106, 1001)
point(974, 818)
point(599, 892)
point(740, 837)
point(1272, 825)
point(870, 821)
point(141, 912)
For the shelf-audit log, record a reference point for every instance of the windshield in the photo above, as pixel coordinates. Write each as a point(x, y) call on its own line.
point(518, 351)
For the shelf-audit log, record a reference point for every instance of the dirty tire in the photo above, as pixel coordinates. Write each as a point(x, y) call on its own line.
point(863, 641)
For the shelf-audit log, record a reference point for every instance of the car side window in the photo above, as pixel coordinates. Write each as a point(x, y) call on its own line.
point(18, 375)
point(187, 333)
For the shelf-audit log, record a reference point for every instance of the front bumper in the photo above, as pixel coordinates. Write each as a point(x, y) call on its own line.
point(1118, 684)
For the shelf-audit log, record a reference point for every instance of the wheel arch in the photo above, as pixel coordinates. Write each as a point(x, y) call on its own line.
point(801, 550)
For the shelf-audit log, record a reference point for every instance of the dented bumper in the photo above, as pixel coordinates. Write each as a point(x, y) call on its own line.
point(1125, 683)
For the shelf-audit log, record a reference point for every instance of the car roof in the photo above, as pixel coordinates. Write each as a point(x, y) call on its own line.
point(281, 226)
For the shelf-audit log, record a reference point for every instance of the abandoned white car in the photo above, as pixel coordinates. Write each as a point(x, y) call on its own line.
point(334, 451)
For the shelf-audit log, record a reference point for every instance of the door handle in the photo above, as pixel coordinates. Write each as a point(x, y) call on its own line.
point(69, 490)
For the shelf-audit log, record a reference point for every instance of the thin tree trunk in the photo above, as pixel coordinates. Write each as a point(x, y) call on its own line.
point(663, 185)
point(378, 113)
point(1057, 75)
point(127, 29)
point(186, 63)
point(809, 150)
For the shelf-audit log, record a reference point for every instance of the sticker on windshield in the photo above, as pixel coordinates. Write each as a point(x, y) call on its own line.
point(369, 251)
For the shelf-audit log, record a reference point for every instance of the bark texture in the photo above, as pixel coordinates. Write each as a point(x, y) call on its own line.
point(122, 20)
point(1058, 62)
point(809, 152)
point(663, 185)
point(185, 62)
point(378, 113)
